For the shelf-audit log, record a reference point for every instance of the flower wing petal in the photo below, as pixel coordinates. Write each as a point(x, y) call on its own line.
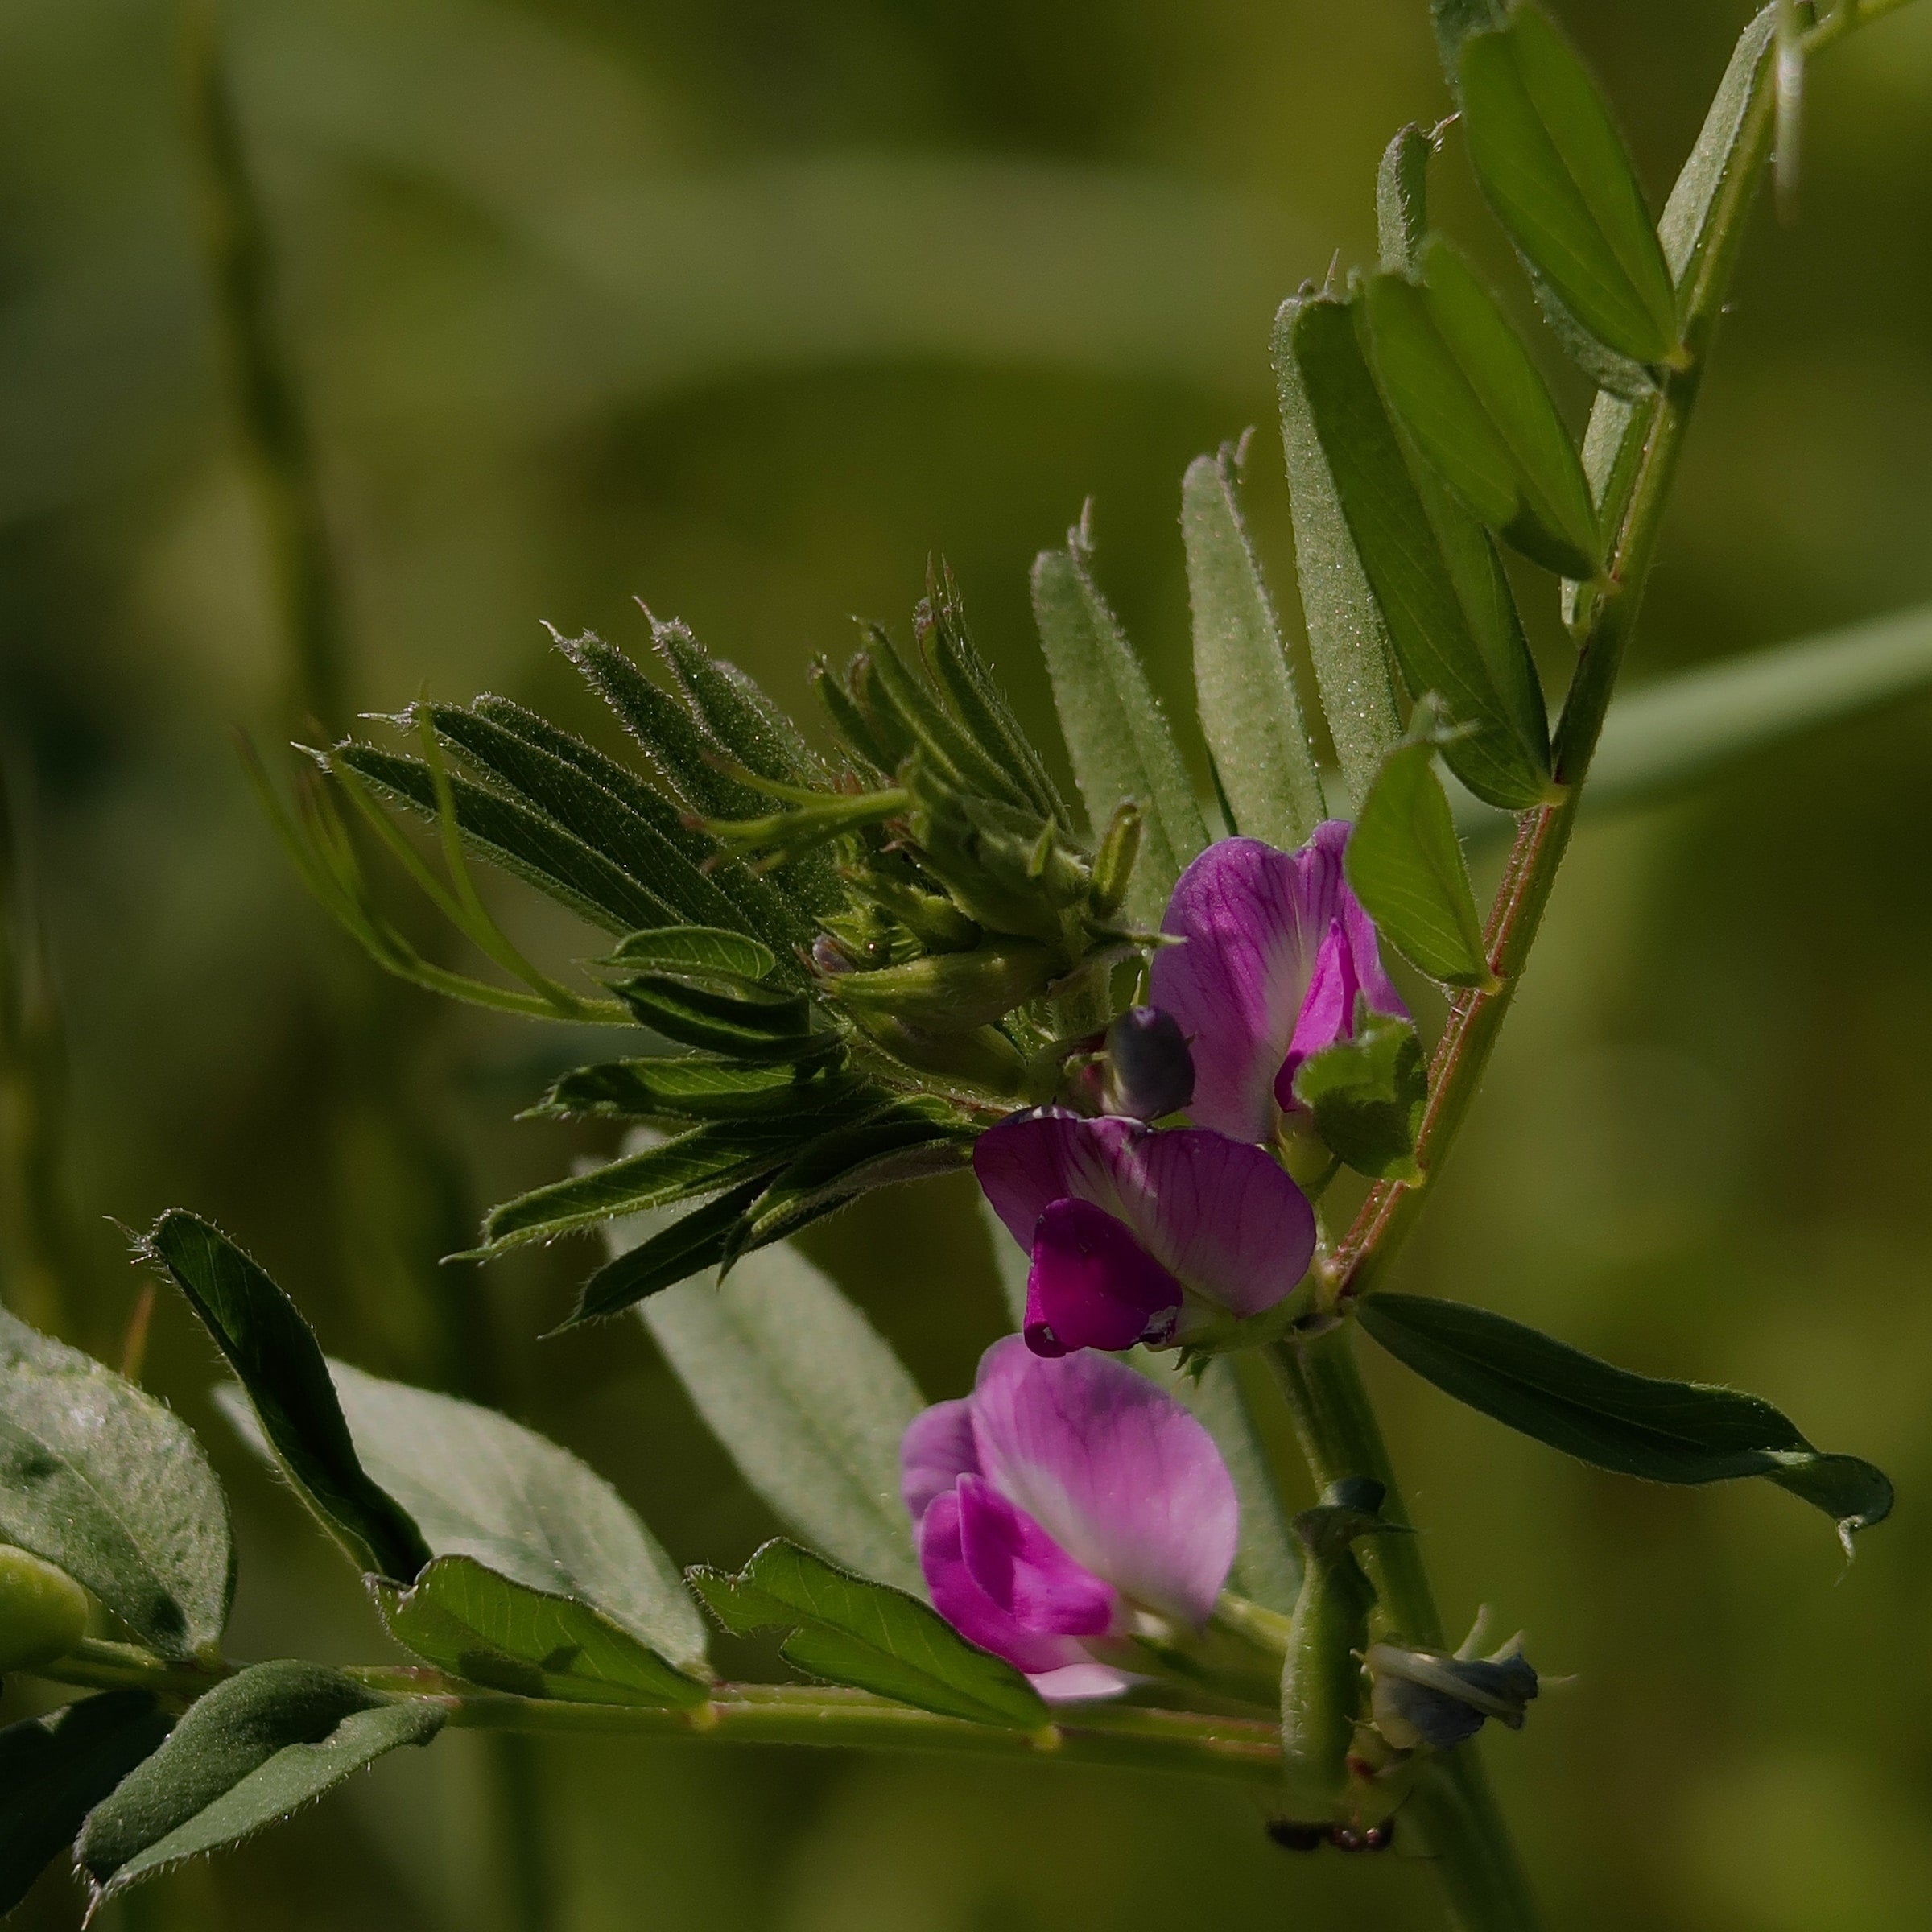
point(934, 1452)
point(1093, 1285)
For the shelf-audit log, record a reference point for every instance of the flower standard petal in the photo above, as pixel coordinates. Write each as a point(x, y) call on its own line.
point(936, 1450)
point(1113, 1469)
point(1093, 1285)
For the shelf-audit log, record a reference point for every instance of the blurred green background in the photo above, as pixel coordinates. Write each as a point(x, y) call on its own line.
point(744, 309)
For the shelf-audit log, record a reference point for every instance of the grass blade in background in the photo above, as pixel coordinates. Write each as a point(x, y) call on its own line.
point(107, 1483)
point(1556, 172)
point(1250, 712)
point(251, 1751)
point(1348, 640)
point(275, 1356)
point(1119, 741)
point(1665, 1431)
point(847, 1630)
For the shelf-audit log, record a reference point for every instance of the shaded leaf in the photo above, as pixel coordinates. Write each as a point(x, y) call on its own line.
point(1405, 865)
point(252, 1750)
point(476, 1624)
point(1458, 375)
point(663, 1090)
point(699, 1241)
point(805, 1395)
point(741, 1019)
point(1116, 735)
point(1401, 557)
point(1347, 639)
point(55, 1769)
point(1250, 712)
point(1556, 172)
point(108, 1485)
point(696, 949)
point(846, 1630)
point(275, 1355)
point(1367, 1095)
point(1455, 20)
point(705, 1161)
point(1665, 1431)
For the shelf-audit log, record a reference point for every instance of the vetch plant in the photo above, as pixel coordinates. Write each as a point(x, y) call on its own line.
point(1162, 1034)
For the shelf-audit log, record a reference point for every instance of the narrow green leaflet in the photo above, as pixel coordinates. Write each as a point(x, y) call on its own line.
point(696, 949)
point(1405, 865)
point(1555, 170)
point(468, 1620)
point(1713, 174)
point(1459, 377)
point(1403, 563)
point(1348, 640)
point(1401, 200)
point(1665, 1431)
point(275, 1355)
point(253, 1749)
point(107, 1483)
point(524, 842)
point(705, 1161)
point(806, 1396)
point(55, 1769)
point(733, 710)
point(1117, 736)
point(699, 1241)
point(483, 1487)
point(1367, 1095)
point(1250, 712)
point(1455, 20)
point(744, 1019)
point(846, 1630)
point(665, 1090)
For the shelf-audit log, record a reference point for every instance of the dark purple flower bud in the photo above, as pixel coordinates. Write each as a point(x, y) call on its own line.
point(1428, 1697)
point(1150, 1069)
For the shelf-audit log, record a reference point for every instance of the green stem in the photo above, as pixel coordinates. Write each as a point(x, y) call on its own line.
point(1335, 1424)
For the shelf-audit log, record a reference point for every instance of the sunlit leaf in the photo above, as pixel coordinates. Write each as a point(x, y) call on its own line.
point(1555, 170)
point(696, 949)
point(1116, 735)
point(1665, 1432)
point(846, 1630)
point(108, 1485)
point(1367, 1094)
point(1250, 712)
point(1401, 200)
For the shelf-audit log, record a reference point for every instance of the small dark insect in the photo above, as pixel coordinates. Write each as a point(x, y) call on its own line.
point(1292, 1836)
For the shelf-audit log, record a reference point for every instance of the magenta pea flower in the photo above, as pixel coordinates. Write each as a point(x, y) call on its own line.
point(1138, 1234)
point(1277, 950)
point(1058, 1501)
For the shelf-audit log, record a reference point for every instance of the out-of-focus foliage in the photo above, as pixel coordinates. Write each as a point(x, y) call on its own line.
point(745, 310)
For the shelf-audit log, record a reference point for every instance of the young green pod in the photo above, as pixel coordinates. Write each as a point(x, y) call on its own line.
point(951, 992)
point(43, 1611)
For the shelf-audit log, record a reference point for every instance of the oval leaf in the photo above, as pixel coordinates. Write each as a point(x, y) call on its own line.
point(1459, 377)
point(1665, 1431)
point(107, 1483)
point(846, 1630)
point(1556, 172)
point(256, 1746)
point(1367, 1095)
point(1251, 714)
point(703, 950)
point(1405, 865)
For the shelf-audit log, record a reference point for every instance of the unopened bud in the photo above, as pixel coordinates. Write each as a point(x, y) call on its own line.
point(1150, 1069)
point(43, 1611)
point(1113, 863)
point(1430, 1697)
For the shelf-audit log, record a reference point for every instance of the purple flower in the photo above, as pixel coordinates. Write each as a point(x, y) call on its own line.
point(1056, 1501)
point(1278, 948)
point(1135, 1231)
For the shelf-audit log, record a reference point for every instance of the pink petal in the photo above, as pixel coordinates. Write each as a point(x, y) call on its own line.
point(1328, 1013)
point(1073, 1683)
point(1254, 920)
point(1115, 1470)
point(963, 1601)
point(934, 1452)
point(1093, 1285)
point(1218, 1215)
point(1024, 1571)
